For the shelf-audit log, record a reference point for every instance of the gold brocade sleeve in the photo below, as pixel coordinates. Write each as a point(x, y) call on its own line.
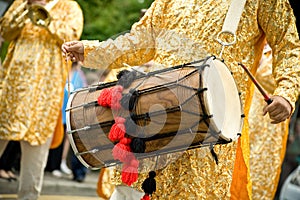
point(9, 28)
point(73, 18)
point(283, 39)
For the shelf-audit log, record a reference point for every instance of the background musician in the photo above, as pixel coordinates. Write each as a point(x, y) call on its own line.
point(32, 81)
point(194, 176)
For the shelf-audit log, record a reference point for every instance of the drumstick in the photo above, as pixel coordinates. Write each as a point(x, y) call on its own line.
point(68, 74)
point(258, 86)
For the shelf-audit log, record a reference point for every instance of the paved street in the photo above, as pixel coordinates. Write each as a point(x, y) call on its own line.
point(63, 188)
point(51, 197)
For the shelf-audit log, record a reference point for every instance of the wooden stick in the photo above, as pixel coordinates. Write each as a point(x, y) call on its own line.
point(68, 73)
point(258, 86)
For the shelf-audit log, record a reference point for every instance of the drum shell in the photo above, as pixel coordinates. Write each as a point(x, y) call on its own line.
point(171, 114)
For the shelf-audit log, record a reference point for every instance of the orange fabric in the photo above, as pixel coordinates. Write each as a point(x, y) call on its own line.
point(58, 134)
point(59, 131)
point(99, 185)
point(239, 183)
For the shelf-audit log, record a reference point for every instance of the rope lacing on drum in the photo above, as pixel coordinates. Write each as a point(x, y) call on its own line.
point(173, 84)
point(132, 98)
point(214, 134)
point(102, 125)
point(129, 100)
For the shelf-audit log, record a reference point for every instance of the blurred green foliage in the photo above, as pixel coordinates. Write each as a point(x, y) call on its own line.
point(107, 18)
point(3, 50)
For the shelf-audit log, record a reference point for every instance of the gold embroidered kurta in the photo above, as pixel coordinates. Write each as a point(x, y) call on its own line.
point(34, 74)
point(267, 141)
point(175, 32)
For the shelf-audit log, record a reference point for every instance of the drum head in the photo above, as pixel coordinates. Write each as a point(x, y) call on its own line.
point(222, 100)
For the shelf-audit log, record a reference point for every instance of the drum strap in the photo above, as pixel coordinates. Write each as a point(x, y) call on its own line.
point(230, 26)
point(233, 16)
point(231, 22)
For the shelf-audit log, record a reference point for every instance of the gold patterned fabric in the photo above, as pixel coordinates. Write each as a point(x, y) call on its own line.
point(267, 141)
point(34, 74)
point(176, 32)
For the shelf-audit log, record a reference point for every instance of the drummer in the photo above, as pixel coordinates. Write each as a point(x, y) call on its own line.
point(175, 32)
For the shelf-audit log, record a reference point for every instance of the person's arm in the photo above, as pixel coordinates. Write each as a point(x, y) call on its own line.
point(278, 23)
point(13, 20)
point(67, 23)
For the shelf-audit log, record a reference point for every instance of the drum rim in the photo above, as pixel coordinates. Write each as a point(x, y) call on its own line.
point(229, 137)
point(69, 130)
point(82, 159)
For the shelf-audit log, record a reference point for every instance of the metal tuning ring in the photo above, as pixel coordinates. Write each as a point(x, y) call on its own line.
point(224, 43)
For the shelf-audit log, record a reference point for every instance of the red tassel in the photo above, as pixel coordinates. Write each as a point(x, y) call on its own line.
point(117, 131)
point(120, 120)
point(121, 152)
point(105, 97)
point(116, 97)
point(146, 197)
point(133, 161)
point(130, 172)
point(130, 176)
point(126, 141)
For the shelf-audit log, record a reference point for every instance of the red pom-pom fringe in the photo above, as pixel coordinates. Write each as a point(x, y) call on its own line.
point(110, 97)
point(129, 174)
point(126, 141)
point(105, 97)
point(120, 120)
point(146, 197)
point(133, 162)
point(121, 152)
point(118, 130)
point(116, 97)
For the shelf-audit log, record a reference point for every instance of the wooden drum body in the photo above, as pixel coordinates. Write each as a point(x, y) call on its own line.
point(175, 109)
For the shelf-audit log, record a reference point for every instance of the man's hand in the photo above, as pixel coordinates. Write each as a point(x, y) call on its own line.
point(279, 110)
point(73, 50)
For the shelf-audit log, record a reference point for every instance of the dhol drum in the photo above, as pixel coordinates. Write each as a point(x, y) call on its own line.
point(172, 110)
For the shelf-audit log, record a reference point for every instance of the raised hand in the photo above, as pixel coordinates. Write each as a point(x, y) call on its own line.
point(73, 50)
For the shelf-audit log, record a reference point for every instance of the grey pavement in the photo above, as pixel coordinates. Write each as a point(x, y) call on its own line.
point(58, 187)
